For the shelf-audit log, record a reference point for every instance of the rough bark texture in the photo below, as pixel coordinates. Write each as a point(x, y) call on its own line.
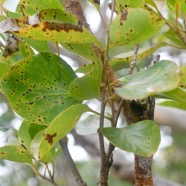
point(135, 111)
point(74, 7)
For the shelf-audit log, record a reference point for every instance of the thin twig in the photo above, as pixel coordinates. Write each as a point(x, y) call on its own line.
point(71, 163)
point(112, 147)
point(133, 63)
point(44, 177)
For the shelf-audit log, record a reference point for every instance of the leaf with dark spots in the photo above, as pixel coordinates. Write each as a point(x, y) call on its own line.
point(57, 32)
point(59, 27)
point(30, 8)
point(15, 153)
point(121, 5)
point(60, 127)
point(128, 31)
point(49, 138)
point(58, 16)
point(38, 98)
point(34, 147)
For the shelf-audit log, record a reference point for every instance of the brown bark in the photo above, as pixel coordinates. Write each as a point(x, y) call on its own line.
point(74, 7)
point(135, 111)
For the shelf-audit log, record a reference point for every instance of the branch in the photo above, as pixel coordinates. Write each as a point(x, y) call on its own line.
point(121, 168)
point(74, 7)
point(71, 163)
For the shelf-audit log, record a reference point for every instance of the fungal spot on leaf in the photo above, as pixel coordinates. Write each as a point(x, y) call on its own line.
point(59, 27)
point(123, 17)
point(49, 138)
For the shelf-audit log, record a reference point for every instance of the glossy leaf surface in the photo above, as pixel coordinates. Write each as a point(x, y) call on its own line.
point(161, 77)
point(141, 138)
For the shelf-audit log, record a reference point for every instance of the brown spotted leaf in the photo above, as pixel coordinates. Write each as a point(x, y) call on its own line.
point(134, 26)
point(15, 153)
point(37, 87)
point(30, 7)
point(122, 5)
point(57, 32)
point(60, 127)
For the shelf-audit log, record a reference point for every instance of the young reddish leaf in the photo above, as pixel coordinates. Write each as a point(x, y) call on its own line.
point(141, 138)
point(60, 127)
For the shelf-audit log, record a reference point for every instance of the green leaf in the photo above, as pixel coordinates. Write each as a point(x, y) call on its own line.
point(10, 14)
point(37, 87)
point(172, 36)
point(96, 3)
point(124, 5)
point(178, 94)
point(48, 157)
point(57, 32)
point(15, 153)
point(138, 26)
point(88, 86)
point(38, 45)
point(31, 7)
point(4, 68)
point(56, 15)
point(86, 50)
point(161, 77)
point(183, 76)
point(123, 60)
point(174, 104)
point(177, 7)
point(27, 132)
point(141, 138)
point(60, 127)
